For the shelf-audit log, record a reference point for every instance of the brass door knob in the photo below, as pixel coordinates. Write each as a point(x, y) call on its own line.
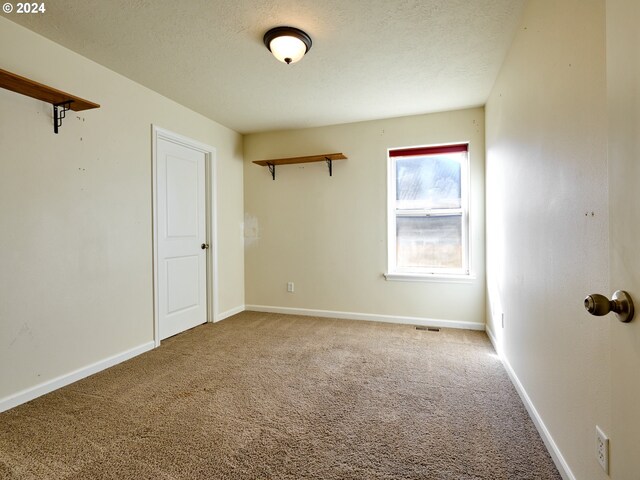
point(621, 304)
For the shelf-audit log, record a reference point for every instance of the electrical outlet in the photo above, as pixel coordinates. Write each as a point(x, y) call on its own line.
point(602, 449)
point(290, 287)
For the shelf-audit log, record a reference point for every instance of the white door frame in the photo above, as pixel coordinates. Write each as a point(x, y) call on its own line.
point(211, 209)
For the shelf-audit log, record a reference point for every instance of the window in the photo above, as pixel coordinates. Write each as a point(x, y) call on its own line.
point(428, 210)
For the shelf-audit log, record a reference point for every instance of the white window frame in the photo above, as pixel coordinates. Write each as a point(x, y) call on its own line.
point(428, 273)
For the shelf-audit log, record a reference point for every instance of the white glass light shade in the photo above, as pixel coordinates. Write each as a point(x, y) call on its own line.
point(288, 44)
point(288, 49)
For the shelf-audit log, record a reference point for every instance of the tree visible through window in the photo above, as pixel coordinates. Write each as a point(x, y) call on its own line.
point(428, 214)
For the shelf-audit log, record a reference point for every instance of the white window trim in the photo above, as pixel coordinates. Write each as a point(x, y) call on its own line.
point(424, 277)
point(462, 275)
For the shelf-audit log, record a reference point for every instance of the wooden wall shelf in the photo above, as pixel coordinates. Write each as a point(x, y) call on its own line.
point(327, 157)
point(60, 100)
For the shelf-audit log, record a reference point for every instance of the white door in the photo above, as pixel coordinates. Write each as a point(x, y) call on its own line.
point(181, 236)
point(623, 86)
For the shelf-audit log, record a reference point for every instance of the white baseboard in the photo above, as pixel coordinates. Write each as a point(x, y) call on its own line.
point(229, 313)
point(63, 380)
point(494, 341)
point(427, 322)
point(554, 451)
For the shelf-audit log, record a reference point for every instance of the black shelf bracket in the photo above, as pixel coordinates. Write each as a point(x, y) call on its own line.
point(59, 112)
point(272, 170)
point(330, 165)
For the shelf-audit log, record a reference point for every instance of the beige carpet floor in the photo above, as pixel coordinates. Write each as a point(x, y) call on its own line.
point(266, 396)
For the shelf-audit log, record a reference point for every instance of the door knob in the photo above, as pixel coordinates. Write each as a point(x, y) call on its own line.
point(621, 304)
point(204, 246)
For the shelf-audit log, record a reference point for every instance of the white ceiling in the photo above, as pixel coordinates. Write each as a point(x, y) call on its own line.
point(370, 59)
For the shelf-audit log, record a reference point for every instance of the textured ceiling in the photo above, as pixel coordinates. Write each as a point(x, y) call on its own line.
point(370, 58)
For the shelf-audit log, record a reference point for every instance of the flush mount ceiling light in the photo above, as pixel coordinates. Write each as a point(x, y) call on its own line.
point(288, 44)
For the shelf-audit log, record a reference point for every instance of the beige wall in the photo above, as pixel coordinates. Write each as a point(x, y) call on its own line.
point(623, 99)
point(329, 235)
point(547, 220)
point(75, 212)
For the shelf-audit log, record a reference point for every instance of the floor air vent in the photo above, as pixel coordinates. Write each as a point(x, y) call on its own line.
point(429, 329)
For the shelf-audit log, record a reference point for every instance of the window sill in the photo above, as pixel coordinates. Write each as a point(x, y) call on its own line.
point(429, 277)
